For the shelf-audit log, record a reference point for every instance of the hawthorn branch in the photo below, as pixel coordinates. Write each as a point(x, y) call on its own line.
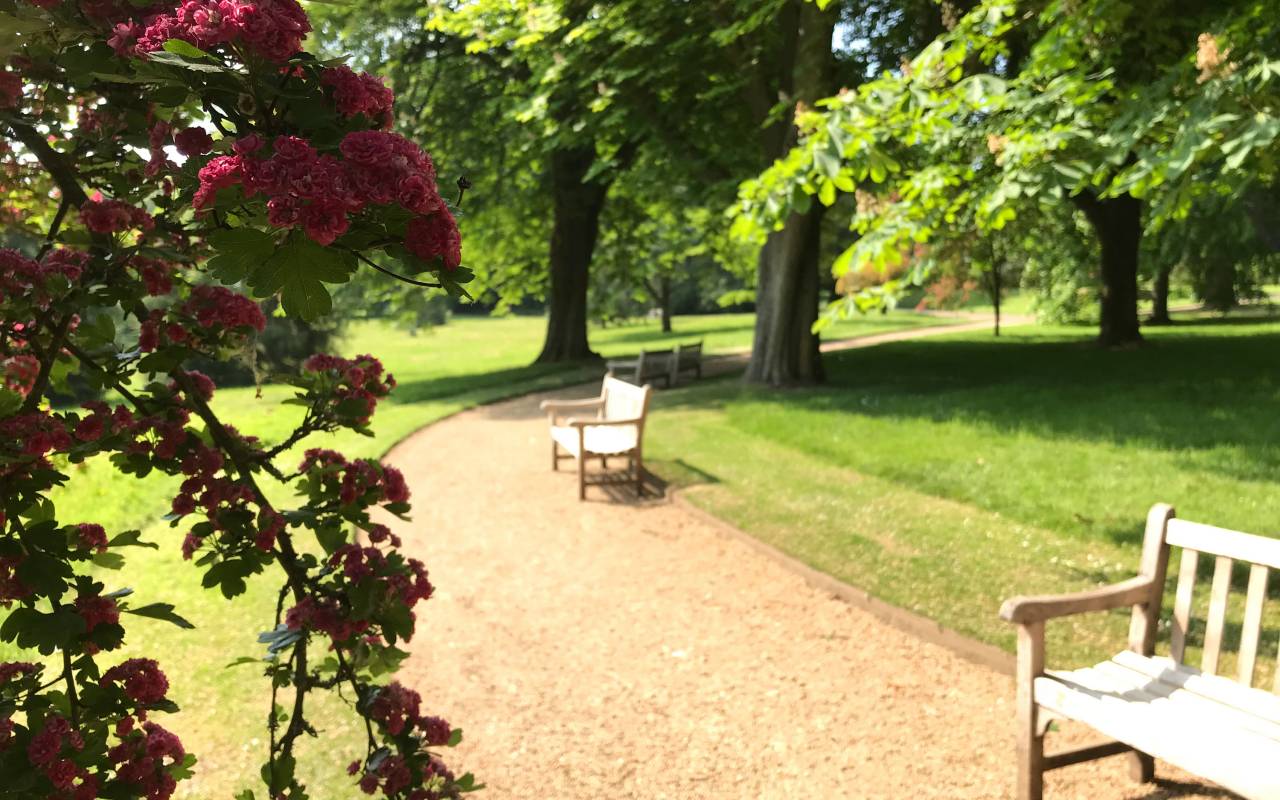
point(396, 275)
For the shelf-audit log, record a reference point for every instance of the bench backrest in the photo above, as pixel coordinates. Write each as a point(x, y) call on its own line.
point(688, 355)
point(652, 362)
point(624, 400)
point(1226, 547)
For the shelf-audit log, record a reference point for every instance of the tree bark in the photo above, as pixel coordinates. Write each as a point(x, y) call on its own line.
point(664, 299)
point(1117, 221)
point(1160, 298)
point(575, 229)
point(785, 350)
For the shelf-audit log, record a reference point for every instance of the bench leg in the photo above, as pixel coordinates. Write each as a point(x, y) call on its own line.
point(555, 457)
point(604, 462)
point(638, 464)
point(1030, 741)
point(1142, 767)
point(582, 476)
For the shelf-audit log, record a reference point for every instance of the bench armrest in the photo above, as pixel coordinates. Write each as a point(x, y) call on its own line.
point(599, 423)
point(1026, 610)
point(556, 405)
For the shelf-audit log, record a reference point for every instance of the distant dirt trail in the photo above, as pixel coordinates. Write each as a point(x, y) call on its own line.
point(614, 649)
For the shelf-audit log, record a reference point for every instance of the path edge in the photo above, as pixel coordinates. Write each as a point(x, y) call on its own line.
point(917, 625)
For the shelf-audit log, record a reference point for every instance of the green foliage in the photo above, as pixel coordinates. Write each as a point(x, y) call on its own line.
point(1021, 106)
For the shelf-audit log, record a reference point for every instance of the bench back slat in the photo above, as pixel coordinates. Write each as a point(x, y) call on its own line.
point(1182, 604)
point(1227, 547)
point(1223, 542)
point(623, 400)
point(1251, 629)
point(1217, 619)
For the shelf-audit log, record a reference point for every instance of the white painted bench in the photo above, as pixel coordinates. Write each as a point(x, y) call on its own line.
point(1150, 706)
point(615, 428)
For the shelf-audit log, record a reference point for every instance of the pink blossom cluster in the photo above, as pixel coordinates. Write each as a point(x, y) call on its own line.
point(435, 236)
point(12, 669)
point(20, 373)
point(34, 281)
point(193, 141)
point(156, 274)
point(363, 482)
point(51, 751)
point(35, 434)
point(11, 586)
point(359, 93)
point(141, 678)
point(97, 610)
point(409, 583)
point(398, 708)
point(270, 29)
point(143, 758)
point(89, 536)
point(326, 616)
point(215, 310)
point(10, 89)
point(320, 192)
point(358, 381)
point(114, 216)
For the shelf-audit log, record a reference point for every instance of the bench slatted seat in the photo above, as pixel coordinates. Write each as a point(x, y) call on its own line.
point(1221, 728)
point(614, 427)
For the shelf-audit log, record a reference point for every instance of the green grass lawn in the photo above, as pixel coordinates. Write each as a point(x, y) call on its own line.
point(441, 371)
point(948, 474)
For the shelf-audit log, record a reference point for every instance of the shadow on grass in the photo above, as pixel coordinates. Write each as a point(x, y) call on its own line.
point(1182, 391)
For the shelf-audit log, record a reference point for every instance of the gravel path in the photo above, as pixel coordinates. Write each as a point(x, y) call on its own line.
point(614, 649)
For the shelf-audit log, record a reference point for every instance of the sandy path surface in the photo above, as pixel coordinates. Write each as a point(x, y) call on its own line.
point(615, 649)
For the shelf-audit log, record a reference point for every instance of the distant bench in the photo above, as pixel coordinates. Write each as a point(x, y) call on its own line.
point(1154, 707)
point(664, 365)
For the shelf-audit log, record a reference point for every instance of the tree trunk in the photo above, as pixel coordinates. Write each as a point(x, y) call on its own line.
point(1117, 221)
point(1160, 298)
point(664, 300)
point(576, 226)
point(785, 350)
point(997, 289)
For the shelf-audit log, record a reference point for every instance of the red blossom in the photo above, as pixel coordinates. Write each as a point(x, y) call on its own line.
point(10, 89)
point(193, 141)
point(97, 610)
point(359, 93)
point(144, 682)
point(91, 537)
point(114, 216)
point(435, 237)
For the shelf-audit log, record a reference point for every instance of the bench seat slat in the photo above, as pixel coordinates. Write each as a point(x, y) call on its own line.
point(1219, 689)
point(1203, 738)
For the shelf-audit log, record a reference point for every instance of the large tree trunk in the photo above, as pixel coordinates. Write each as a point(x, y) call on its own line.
point(1117, 221)
point(1160, 298)
point(785, 351)
point(576, 226)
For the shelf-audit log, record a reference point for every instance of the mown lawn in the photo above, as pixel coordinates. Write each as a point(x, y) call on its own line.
point(948, 474)
point(441, 371)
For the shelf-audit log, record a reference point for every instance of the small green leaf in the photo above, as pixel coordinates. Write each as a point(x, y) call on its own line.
point(161, 611)
point(184, 49)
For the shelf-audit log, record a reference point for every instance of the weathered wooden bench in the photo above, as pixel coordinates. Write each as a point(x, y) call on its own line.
point(685, 358)
point(616, 428)
point(664, 365)
point(1149, 706)
point(647, 366)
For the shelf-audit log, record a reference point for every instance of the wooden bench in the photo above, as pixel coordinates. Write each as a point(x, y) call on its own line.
point(616, 428)
point(647, 366)
point(1150, 706)
point(664, 365)
point(686, 358)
